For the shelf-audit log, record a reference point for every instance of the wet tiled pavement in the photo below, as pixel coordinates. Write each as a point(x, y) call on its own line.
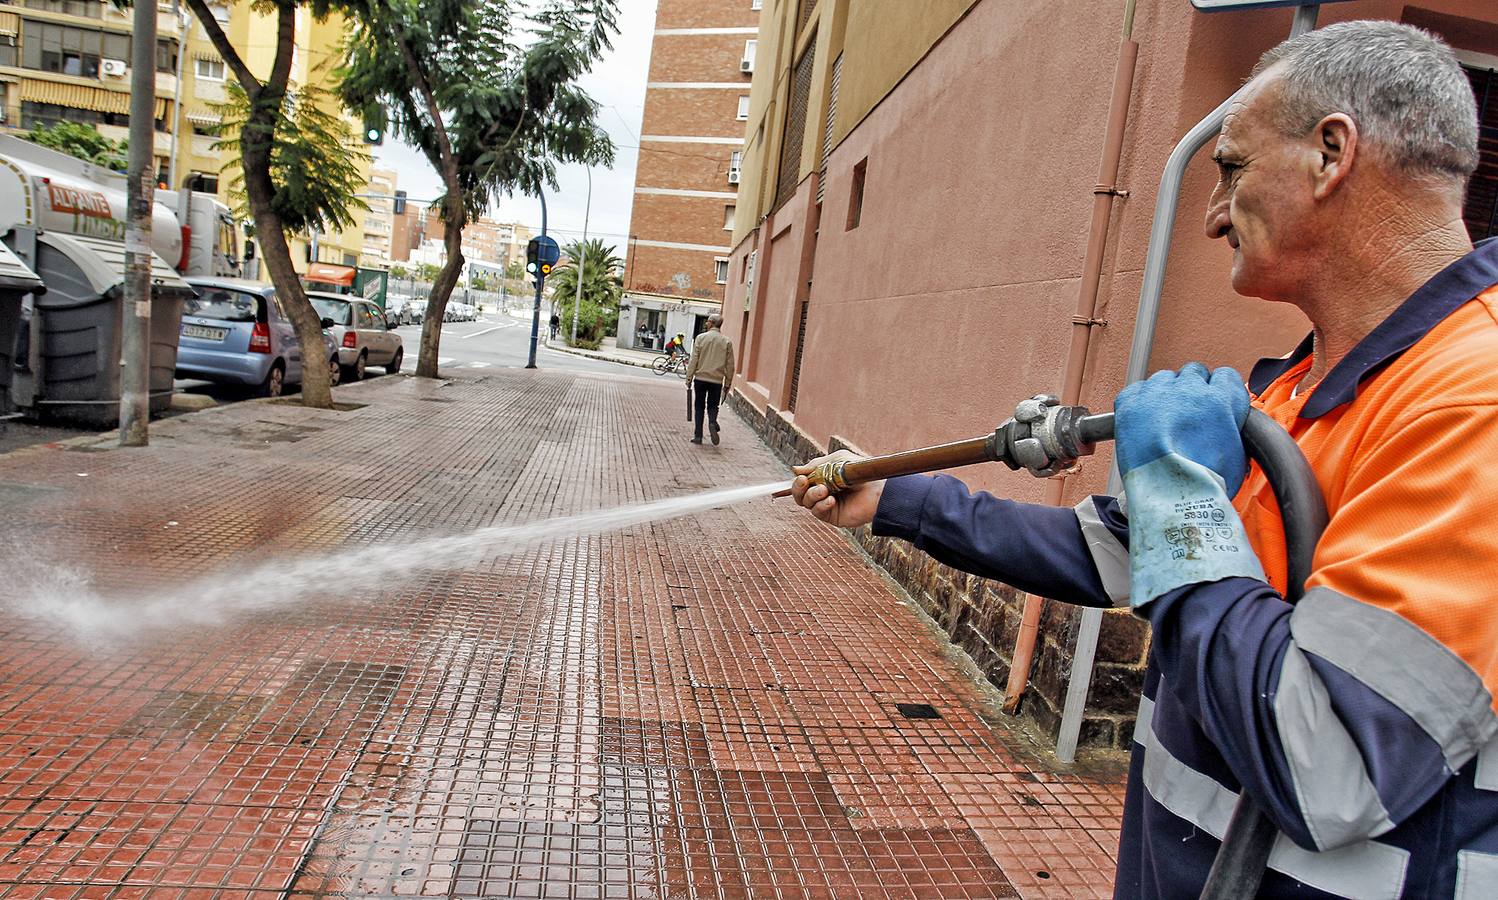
point(703, 707)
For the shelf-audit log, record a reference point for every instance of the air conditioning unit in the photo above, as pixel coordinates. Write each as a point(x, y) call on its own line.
point(114, 67)
point(733, 176)
point(746, 65)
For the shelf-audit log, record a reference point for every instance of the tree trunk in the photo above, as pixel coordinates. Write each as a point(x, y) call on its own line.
point(317, 392)
point(257, 139)
point(447, 279)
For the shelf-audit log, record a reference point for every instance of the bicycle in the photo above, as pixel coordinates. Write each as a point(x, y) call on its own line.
point(677, 364)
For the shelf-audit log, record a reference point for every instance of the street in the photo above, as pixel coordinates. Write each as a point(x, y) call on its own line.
point(501, 341)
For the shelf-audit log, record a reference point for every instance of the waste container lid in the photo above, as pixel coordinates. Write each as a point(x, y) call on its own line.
point(14, 275)
point(103, 263)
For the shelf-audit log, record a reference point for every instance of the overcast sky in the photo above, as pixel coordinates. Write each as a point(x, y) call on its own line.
point(617, 82)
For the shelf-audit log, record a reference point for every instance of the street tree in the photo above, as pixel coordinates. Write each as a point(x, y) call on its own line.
point(488, 90)
point(602, 287)
point(83, 141)
point(296, 163)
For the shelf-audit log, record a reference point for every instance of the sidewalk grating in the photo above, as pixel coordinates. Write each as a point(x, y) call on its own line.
point(702, 707)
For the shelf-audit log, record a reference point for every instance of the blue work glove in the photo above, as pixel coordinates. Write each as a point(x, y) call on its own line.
point(1179, 449)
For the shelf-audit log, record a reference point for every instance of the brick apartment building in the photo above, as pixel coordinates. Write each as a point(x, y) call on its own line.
point(407, 230)
point(691, 138)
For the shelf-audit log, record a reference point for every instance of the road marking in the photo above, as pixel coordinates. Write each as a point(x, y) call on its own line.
point(411, 363)
point(478, 365)
point(485, 331)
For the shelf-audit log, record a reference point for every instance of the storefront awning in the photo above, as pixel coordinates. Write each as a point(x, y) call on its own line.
point(327, 273)
point(77, 96)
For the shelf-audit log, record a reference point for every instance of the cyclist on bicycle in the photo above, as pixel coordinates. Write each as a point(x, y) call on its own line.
point(677, 346)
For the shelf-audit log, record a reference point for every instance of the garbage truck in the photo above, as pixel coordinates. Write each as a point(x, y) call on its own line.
point(64, 218)
point(45, 190)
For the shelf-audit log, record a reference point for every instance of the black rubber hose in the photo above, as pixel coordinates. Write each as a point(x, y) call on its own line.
point(1250, 836)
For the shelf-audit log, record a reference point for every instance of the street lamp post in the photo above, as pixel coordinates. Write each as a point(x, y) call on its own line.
point(582, 254)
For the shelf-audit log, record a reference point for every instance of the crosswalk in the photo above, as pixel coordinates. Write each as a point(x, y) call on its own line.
point(447, 362)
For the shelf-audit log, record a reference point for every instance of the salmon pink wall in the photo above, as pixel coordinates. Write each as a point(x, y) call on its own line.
point(952, 300)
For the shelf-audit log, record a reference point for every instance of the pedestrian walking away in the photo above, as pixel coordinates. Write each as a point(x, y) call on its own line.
point(556, 324)
point(710, 374)
point(1361, 719)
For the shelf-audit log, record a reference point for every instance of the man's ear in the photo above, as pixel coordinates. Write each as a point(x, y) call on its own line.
point(1334, 140)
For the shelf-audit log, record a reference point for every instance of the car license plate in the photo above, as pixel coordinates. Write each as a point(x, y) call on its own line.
point(204, 332)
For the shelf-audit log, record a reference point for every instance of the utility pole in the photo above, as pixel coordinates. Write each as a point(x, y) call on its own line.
point(536, 313)
point(135, 343)
point(582, 253)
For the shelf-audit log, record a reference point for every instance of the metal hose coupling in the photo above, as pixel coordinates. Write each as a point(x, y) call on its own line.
point(1047, 438)
point(833, 474)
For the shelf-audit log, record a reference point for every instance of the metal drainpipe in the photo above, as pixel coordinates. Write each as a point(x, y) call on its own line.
point(1083, 322)
point(1148, 317)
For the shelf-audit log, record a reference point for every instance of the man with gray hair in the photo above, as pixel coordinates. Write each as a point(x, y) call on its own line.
point(710, 374)
point(1361, 720)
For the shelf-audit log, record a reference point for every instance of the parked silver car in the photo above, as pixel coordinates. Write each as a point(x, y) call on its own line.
point(363, 335)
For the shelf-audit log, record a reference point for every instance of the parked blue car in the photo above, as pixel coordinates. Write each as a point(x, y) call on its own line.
point(236, 332)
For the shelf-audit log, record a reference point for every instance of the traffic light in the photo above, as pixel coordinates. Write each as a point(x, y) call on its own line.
point(374, 125)
point(541, 256)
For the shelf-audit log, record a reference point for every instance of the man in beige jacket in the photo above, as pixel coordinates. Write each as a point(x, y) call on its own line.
point(711, 374)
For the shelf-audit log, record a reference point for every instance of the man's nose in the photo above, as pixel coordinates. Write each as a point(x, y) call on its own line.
point(1218, 220)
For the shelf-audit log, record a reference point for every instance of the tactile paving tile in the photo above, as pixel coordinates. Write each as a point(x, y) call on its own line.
point(697, 707)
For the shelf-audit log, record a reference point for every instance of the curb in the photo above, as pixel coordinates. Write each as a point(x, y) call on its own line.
point(592, 354)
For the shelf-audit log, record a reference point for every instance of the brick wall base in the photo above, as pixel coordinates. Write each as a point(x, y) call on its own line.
point(982, 616)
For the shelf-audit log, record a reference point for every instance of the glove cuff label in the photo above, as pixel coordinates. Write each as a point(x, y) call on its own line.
point(1182, 529)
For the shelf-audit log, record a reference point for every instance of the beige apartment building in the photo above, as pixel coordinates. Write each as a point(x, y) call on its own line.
point(379, 220)
point(912, 232)
point(68, 60)
point(686, 181)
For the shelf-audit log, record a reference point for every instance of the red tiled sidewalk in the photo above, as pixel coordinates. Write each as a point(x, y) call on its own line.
point(704, 707)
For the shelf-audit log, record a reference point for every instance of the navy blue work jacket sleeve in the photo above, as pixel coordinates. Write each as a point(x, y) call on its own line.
point(1038, 549)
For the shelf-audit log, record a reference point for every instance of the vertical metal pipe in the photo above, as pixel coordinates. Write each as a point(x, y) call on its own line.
point(1163, 227)
point(183, 23)
point(135, 339)
point(1083, 322)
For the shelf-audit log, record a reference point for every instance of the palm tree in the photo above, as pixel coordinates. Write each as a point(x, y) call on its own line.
point(602, 289)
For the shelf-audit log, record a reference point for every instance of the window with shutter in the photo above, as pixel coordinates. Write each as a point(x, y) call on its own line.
point(795, 127)
point(1481, 210)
